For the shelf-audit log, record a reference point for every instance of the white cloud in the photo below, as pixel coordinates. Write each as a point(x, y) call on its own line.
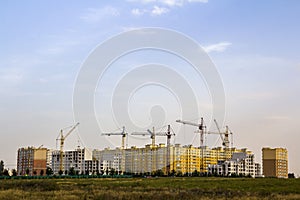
point(160, 6)
point(155, 11)
point(169, 3)
point(159, 10)
point(138, 12)
point(95, 15)
point(219, 47)
point(198, 1)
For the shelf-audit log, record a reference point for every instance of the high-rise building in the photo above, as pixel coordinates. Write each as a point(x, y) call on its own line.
point(32, 161)
point(275, 162)
point(80, 160)
point(154, 158)
point(241, 163)
point(183, 159)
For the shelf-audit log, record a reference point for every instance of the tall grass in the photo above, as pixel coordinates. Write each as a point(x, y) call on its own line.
point(151, 188)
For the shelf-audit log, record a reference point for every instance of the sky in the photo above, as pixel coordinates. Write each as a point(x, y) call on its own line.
point(254, 45)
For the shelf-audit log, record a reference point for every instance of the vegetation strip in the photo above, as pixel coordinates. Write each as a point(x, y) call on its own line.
point(149, 188)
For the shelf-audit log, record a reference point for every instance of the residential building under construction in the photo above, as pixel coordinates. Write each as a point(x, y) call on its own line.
point(167, 158)
point(31, 161)
point(275, 162)
point(183, 159)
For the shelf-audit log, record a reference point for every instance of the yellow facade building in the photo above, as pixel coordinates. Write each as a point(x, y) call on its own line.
point(275, 162)
point(185, 159)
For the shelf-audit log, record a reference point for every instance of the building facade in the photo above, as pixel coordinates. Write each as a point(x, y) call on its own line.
point(80, 160)
point(32, 161)
point(181, 159)
point(275, 162)
point(151, 158)
point(240, 164)
point(110, 159)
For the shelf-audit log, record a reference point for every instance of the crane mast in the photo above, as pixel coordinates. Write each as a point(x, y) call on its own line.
point(225, 140)
point(123, 134)
point(149, 132)
point(168, 149)
point(201, 128)
point(169, 135)
point(153, 134)
point(62, 142)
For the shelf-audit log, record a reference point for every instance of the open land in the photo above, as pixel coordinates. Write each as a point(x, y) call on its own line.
point(150, 188)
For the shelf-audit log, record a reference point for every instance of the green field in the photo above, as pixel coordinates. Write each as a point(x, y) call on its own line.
point(151, 188)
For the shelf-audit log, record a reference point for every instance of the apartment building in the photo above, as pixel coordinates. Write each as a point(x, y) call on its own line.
point(184, 159)
point(275, 162)
point(150, 158)
point(241, 163)
point(79, 159)
point(110, 159)
point(32, 161)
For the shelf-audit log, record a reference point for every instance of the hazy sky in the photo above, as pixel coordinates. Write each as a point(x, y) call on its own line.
point(254, 45)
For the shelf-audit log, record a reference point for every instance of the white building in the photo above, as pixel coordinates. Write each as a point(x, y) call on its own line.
point(77, 159)
point(241, 163)
point(110, 159)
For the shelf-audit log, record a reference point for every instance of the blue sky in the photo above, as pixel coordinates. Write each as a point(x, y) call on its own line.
point(254, 44)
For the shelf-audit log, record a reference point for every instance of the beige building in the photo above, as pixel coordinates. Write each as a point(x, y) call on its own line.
point(33, 160)
point(149, 159)
point(275, 162)
point(185, 159)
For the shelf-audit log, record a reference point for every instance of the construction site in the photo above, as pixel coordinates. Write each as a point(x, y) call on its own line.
point(151, 159)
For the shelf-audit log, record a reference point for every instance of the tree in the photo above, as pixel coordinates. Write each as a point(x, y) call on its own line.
point(291, 175)
point(112, 171)
point(27, 171)
point(14, 172)
point(5, 172)
point(35, 172)
point(1, 167)
point(49, 171)
point(159, 172)
point(42, 172)
point(196, 173)
point(72, 171)
point(179, 173)
point(98, 172)
point(173, 173)
point(60, 172)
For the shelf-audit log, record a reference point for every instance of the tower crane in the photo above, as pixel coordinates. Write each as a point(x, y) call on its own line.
point(201, 128)
point(123, 134)
point(149, 132)
point(169, 135)
point(225, 139)
point(62, 142)
point(152, 136)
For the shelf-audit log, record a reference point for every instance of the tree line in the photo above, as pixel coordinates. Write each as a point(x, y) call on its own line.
point(5, 172)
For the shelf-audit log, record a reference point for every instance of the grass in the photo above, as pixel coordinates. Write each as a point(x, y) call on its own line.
point(151, 188)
